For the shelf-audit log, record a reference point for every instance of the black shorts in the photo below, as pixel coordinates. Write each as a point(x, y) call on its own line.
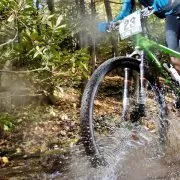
point(173, 32)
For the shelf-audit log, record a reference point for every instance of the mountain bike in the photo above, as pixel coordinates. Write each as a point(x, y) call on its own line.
point(141, 66)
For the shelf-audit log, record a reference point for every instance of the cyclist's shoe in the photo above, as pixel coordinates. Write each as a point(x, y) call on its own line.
point(167, 67)
point(174, 74)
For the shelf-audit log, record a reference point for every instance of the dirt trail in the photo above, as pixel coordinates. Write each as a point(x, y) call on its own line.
point(44, 132)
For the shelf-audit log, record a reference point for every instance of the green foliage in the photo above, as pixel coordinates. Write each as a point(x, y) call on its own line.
point(40, 40)
point(6, 121)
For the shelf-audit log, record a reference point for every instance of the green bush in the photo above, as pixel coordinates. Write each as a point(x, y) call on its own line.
point(6, 121)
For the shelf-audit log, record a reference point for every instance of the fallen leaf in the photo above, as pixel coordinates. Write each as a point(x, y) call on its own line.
point(5, 160)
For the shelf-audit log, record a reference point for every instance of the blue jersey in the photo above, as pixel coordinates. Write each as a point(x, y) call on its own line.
point(161, 7)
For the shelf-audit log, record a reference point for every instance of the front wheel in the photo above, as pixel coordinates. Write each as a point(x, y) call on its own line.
point(104, 105)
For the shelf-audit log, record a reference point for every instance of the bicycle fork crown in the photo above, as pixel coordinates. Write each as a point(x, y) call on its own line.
point(137, 53)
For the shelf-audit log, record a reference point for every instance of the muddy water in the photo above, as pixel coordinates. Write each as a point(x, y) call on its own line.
point(133, 159)
point(128, 158)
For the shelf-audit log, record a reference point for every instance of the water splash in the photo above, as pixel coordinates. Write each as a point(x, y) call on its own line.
point(127, 158)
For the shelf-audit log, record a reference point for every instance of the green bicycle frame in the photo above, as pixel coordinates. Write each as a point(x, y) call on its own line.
point(148, 46)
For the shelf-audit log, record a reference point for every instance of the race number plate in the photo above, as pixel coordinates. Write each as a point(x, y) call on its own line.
point(130, 25)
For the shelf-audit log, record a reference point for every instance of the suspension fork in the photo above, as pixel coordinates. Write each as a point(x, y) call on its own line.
point(127, 78)
point(140, 81)
point(142, 92)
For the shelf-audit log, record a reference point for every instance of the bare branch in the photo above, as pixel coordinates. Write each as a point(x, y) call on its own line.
point(10, 40)
point(25, 72)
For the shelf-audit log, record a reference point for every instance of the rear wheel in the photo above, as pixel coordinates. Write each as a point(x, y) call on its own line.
point(103, 110)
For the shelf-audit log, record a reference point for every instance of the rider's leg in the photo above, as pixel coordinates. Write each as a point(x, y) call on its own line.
point(172, 38)
point(176, 63)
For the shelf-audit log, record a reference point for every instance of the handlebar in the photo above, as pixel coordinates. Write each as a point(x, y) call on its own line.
point(114, 26)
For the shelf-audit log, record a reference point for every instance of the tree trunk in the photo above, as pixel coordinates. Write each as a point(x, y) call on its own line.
point(108, 10)
point(83, 35)
point(93, 37)
point(51, 7)
point(109, 17)
point(38, 27)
